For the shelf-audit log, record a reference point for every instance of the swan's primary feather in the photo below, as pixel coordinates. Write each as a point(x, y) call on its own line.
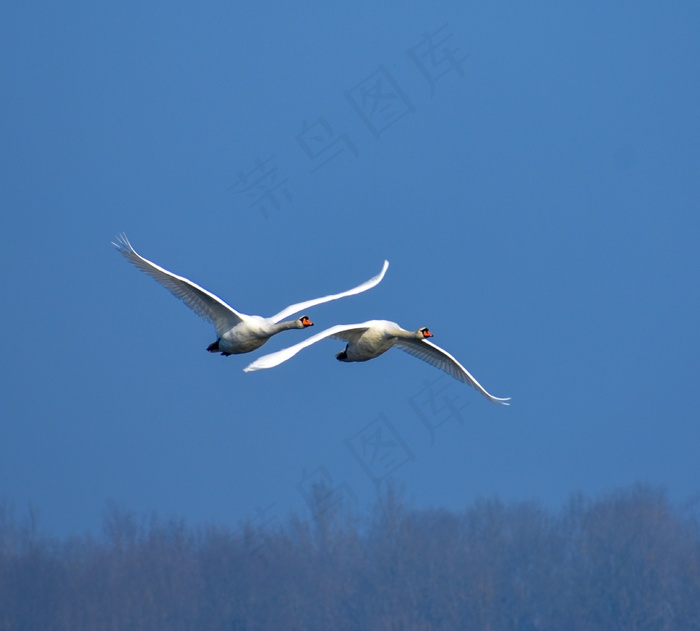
point(202, 302)
point(301, 306)
point(436, 356)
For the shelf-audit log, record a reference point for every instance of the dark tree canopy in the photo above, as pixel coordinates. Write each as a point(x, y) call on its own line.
point(630, 560)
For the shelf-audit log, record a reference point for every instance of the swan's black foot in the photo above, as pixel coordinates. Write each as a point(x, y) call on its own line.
point(225, 354)
point(213, 347)
point(343, 355)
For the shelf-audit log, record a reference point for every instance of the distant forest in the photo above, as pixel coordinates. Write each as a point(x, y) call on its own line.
point(626, 561)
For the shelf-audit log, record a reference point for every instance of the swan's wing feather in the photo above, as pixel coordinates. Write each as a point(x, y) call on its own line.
point(301, 306)
point(202, 302)
point(342, 331)
point(436, 356)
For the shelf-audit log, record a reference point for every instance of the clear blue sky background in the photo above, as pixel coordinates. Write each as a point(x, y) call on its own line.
point(529, 169)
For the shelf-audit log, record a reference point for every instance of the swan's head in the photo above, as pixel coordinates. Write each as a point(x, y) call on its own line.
point(304, 322)
point(425, 332)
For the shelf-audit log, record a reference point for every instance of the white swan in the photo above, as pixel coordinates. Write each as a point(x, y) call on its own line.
point(236, 332)
point(370, 339)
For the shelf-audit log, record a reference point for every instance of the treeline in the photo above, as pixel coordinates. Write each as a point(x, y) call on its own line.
point(628, 561)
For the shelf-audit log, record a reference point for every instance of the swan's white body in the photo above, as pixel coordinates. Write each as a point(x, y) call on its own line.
point(370, 339)
point(236, 332)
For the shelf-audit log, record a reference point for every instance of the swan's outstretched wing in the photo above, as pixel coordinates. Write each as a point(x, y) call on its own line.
point(429, 352)
point(342, 331)
point(195, 297)
point(301, 306)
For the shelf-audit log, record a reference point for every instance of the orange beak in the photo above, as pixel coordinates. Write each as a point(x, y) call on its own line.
point(427, 333)
point(306, 322)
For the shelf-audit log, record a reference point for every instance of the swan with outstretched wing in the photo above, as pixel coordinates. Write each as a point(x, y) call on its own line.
point(370, 339)
point(236, 332)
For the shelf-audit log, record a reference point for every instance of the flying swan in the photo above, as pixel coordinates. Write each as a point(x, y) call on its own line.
point(236, 332)
point(370, 339)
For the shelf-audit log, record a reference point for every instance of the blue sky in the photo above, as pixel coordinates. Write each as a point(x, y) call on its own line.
point(530, 170)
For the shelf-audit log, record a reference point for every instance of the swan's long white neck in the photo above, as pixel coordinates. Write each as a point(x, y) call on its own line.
point(406, 335)
point(285, 326)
